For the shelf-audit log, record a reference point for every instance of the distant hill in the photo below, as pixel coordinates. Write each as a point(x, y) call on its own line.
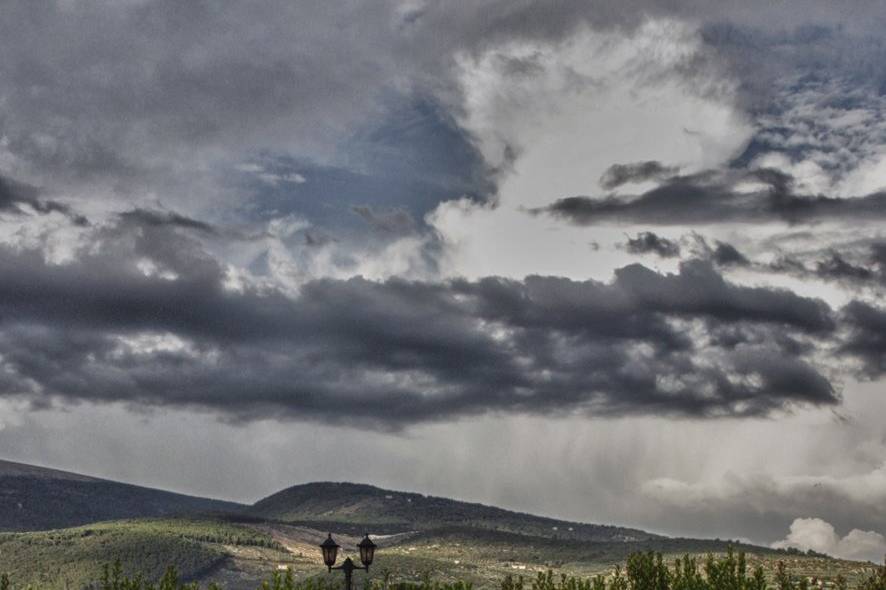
point(345, 506)
point(36, 498)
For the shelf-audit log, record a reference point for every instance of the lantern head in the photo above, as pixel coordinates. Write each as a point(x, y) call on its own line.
point(330, 551)
point(367, 551)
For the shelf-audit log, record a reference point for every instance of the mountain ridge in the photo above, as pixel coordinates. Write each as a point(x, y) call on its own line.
point(16, 469)
point(391, 511)
point(41, 498)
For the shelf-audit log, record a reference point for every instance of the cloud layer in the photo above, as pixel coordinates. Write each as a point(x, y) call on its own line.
point(143, 313)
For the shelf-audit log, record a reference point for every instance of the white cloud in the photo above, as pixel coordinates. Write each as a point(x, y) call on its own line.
point(819, 535)
point(868, 177)
point(555, 115)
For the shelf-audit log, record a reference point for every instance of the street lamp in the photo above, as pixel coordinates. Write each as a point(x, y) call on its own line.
point(329, 548)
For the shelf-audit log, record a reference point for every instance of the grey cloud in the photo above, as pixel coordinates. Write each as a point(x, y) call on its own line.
point(396, 352)
point(715, 197)
point(14, 195)
point(725, 254)
point(721, 254)
point(787, 264)
point(129, 93)
point(395, 221)
point(646, 242)
point(162, 221)
point(619, 174)
point(878, 255)
point(767, 60)
point(858, 266)
point(152, 218)
point(867, 335)
point(700, 289)
point(158, 97)
point(838, 268)
point(128, 90)
point(317, 240)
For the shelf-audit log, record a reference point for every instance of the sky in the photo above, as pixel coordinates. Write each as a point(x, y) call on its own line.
point(615, 262)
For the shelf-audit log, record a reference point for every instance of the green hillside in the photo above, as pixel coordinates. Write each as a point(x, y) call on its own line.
point(354, 507)
point(76, 555)
point(35, 498)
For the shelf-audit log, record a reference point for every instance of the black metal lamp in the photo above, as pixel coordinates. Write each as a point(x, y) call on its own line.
point(367, 551)
point(330, 551)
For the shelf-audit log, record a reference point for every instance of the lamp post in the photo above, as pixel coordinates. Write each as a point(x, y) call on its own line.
point(330, 548)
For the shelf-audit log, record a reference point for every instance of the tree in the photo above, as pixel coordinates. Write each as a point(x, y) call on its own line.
point(877, 580)
point(647, 571)
point(687, 576)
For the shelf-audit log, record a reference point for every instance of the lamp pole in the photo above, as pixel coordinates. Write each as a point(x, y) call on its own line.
point(348, 568)
point(330, 548)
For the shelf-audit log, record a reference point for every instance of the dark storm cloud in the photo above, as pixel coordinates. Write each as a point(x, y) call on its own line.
point(16, 197)
point(619, 174)
point(646, 242)
point(719, 197)
point(725, 254)
point(867, 335)
point(393, 353)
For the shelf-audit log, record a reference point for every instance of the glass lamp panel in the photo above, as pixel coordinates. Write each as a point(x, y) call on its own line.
point(330, 551)
point(367, 550)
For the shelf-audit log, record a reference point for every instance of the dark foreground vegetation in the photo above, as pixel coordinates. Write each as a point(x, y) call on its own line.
point(643, 571)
